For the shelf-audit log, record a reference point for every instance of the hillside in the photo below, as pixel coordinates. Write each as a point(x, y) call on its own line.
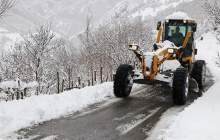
point(68, 17)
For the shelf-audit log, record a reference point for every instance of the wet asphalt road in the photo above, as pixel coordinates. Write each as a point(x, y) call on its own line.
point(116, 119)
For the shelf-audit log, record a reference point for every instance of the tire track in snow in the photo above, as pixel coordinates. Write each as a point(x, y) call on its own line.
point(124, 129)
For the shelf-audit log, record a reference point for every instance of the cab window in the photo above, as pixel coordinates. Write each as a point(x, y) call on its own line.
point(172, 30)
point(176, 34)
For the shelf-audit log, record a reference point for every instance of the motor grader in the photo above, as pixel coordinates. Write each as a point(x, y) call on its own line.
point(174, 47)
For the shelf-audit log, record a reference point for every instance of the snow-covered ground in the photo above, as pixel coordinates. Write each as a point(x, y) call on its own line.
point(149, 11)
point(199, 121)
point(24, 113)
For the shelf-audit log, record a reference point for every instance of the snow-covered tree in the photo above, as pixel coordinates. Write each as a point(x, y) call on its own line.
point(5, 5)
point(213, 10)
point(107, 45)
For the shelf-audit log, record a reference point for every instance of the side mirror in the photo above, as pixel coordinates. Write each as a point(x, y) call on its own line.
point(158, 25)
point(194, 27)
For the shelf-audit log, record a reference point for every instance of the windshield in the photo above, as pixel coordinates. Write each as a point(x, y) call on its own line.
point(172, 30)
point(177, 33)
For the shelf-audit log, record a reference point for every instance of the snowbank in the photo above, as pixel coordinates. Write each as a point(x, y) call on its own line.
point(17, 84)
point(199, 121)
point(19, 114)
point(24, 113)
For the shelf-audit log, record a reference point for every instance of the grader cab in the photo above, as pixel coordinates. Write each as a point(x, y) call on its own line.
point(174, 46)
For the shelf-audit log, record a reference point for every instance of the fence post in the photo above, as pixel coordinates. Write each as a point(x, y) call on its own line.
point(113, 75)
point(101, 70)
point(17, 93)
point(12, 98)
point(88, 82)
point(72, 85)
point(107, 78)
point(69, 78)
point(62, 85)
point(83, 85)
point(58, 83)
point(25, 92)
point(22, 95)
point(92, 78)
point(79, 82)
point(95, 73)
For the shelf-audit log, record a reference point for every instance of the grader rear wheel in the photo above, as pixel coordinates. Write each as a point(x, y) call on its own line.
point(199, 73)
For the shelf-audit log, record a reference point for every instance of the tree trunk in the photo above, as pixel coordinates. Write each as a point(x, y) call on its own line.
point(79, 82)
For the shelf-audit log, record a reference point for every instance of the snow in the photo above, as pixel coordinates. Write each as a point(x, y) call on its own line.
point(199, 121)
point(149, 11)
point(3, 96)
point(50, 138)
point(10, 84)
point(19, 114)
point(163, 46)
point(139, 119)
point(179, 15)
point(32, 84)
point(17, 84)
point(8, 39)
point(168, 64)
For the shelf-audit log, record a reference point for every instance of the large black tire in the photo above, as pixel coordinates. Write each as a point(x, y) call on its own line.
point(123, 81)
point(180, 86)
point(199, 73)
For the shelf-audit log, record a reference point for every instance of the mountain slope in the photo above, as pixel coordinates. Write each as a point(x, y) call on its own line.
point(68, 17)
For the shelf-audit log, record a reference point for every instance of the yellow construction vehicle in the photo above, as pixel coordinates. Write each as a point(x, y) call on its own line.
point(171, 62)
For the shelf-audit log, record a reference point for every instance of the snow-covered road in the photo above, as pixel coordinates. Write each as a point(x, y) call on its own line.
point(129, 119)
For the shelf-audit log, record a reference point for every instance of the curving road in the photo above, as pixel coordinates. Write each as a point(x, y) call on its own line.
point(116, 119)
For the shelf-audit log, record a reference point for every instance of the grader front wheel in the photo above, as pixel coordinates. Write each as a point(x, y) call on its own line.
point(180, 86)
point(123, 81)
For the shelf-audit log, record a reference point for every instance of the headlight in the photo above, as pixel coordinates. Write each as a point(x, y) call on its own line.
point(133, 47)
point(170, 50)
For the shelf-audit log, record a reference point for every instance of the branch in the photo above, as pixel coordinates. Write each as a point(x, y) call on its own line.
point(5, 5)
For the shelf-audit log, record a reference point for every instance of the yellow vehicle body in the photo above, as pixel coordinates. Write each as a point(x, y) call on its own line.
point(165, 54)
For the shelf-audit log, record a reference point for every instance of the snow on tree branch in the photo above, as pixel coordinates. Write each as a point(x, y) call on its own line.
point(5, 5)
point(213, 10)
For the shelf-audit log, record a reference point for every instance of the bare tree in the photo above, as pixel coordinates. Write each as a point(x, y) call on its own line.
point(5, 5)
point(108, 44)
point(30, 59)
